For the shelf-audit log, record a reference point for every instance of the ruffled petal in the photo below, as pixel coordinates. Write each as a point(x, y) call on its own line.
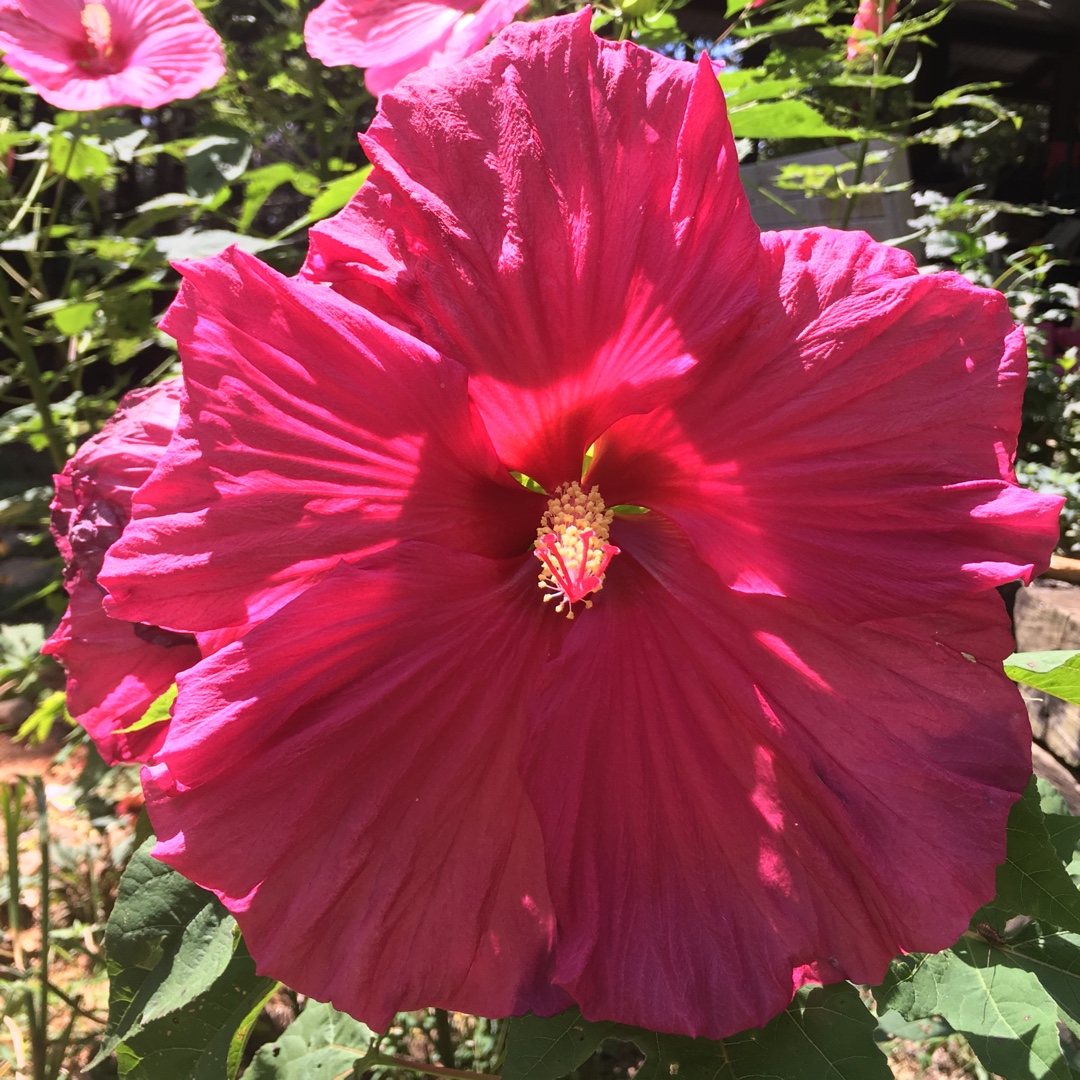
point(467, 33)
point(310, 432)
point(546, 213)
point(852, 449)
point(364, 33)
point(345, 779)
point(739, 795)
point(473, 30)
point(115, 672)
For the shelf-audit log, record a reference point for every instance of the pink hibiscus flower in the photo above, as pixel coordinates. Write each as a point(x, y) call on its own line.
point(869, 19)
point(392, 38)
point(774, 746)
point(90, 54)
point(115, 669)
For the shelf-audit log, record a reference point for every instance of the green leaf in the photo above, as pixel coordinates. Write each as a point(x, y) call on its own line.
point(1054, 959)
point(1057, 672)
point(321, 1042)
point(158, 713)
point(781, 120)
point(37, 726)
point(1005, 1013)
point(547, 1047)
point(203, 243)
point(260, 184)
point(754, 84)
point(216, 160)
point(204, 951)
point(827, 1033)
point(1032, 880)
point(1050, 799)
point(336, 194)
point(183, 992)
point(73, 319)
point(205, 1039)
point(82, 160)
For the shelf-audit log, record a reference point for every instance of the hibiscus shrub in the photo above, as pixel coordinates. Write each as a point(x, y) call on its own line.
point(557, 621)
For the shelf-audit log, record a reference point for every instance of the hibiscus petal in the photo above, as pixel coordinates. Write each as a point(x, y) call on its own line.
point(310, 432)
point(163, 50)
point(113, 674)
point(546, 214)
point(364, 33)
point(345, 779)
point(867, 408)
point(738, 795)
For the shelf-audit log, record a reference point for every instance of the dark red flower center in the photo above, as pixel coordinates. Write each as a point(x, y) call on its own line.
point(571, 544)
point(98, 53)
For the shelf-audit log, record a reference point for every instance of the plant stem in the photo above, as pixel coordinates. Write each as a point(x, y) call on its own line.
point(444, 1037)
point(31, 195)
point(31, 373)
point(40, 1032)
point(11, 799)
point(37, 255)
point(374, 1060)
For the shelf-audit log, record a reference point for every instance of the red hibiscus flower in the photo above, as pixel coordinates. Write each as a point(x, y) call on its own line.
point(115, 669)
point(90, 54)
point(775, 744)
point(869, 19)
point(392, 38)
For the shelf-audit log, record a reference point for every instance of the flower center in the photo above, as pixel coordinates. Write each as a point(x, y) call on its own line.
point(98, 26)
point(572, 546)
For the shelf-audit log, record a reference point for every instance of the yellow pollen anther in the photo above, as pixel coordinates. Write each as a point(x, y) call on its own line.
point(572, 546)
point(98, 26)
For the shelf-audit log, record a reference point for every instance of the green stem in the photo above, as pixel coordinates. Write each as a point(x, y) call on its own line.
point(39, 1034)
point(11, 315)
point(871, 115)
point(37, 255)
point(11, 801)
point(31, 195)
point(375, 1060)
point(444, 1037)
point(318, 99)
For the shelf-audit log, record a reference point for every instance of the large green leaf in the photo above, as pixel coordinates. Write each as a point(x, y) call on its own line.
point(1033, 880)
point(167, 941)
point(205, 1039)
point(336, 193)
point(182, 988)
point(1056, 672)
point(1007, 1015)
point(547, 1047)
point(827, 1033)
point(755, 84)
point(781, 120)
point(1054, 959)
point(321, 1044)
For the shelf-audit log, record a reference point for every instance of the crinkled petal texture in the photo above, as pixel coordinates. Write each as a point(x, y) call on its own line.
point(115, 672)
point(739, 794)
point(565, 218)
point(284, 463)
point(852, 448)
point(408, 870)
point(778, 748)
point(115, 669)
point(393, 38)
point(138, 52)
